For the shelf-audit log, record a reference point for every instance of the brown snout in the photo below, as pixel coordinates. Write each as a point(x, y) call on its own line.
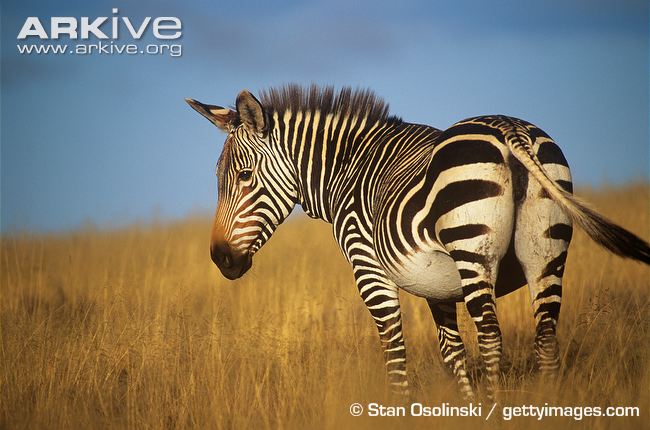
point(231, 264)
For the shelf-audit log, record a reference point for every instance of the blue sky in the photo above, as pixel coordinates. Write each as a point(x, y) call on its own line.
point(109, 140)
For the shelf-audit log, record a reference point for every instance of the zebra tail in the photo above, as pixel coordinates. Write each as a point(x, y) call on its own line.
point(603, 231)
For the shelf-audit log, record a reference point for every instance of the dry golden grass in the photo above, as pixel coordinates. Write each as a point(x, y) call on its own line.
point(136, 329)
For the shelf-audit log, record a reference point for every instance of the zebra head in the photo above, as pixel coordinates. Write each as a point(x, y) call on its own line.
point(255, 189)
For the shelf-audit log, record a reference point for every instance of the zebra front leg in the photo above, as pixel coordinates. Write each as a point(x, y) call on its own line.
point(451, 344)
point(480, 301)
point(382, 300)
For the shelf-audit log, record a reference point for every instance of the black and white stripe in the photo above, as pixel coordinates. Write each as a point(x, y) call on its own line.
point(461, 215)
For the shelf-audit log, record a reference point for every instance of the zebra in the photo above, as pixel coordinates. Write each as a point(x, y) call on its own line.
point(465, 214)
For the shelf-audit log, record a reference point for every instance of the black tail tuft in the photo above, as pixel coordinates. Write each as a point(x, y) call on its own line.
point(612, 236)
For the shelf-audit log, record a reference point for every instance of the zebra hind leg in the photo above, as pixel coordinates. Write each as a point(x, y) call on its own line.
point(546, 306)
point(451, 345)
point(546, 295)
point(541, 243)
point(478, 292)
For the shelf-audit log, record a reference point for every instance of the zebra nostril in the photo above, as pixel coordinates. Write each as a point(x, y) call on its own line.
point(221, 255)
point(227, 260)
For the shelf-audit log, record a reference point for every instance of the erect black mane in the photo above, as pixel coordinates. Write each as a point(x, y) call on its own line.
point(354, 102)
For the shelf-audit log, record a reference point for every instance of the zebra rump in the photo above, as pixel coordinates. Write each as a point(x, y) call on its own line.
point(603, 231)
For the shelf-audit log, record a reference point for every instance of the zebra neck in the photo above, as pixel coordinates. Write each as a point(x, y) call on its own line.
point(321, 150)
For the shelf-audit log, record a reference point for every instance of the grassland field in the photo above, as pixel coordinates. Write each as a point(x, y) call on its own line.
point(135, 328)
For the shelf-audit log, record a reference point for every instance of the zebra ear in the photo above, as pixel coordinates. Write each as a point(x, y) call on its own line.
point(224, 118)
point(251, 112)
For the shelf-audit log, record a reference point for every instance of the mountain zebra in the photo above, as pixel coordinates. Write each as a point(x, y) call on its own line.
point(435, 213)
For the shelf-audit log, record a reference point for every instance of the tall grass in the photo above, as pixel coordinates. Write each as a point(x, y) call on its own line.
point(136, 329)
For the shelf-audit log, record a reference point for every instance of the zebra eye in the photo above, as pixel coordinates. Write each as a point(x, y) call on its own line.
point(244, 175)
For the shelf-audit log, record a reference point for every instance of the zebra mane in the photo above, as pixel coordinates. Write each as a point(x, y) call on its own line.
point(361, 102)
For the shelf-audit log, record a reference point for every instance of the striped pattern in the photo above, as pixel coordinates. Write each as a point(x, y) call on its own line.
point(435, 213)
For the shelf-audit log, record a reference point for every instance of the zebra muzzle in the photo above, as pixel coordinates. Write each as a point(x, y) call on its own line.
point(231, 264)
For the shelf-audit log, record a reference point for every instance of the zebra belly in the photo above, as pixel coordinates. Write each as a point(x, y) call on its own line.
point(432, 275)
